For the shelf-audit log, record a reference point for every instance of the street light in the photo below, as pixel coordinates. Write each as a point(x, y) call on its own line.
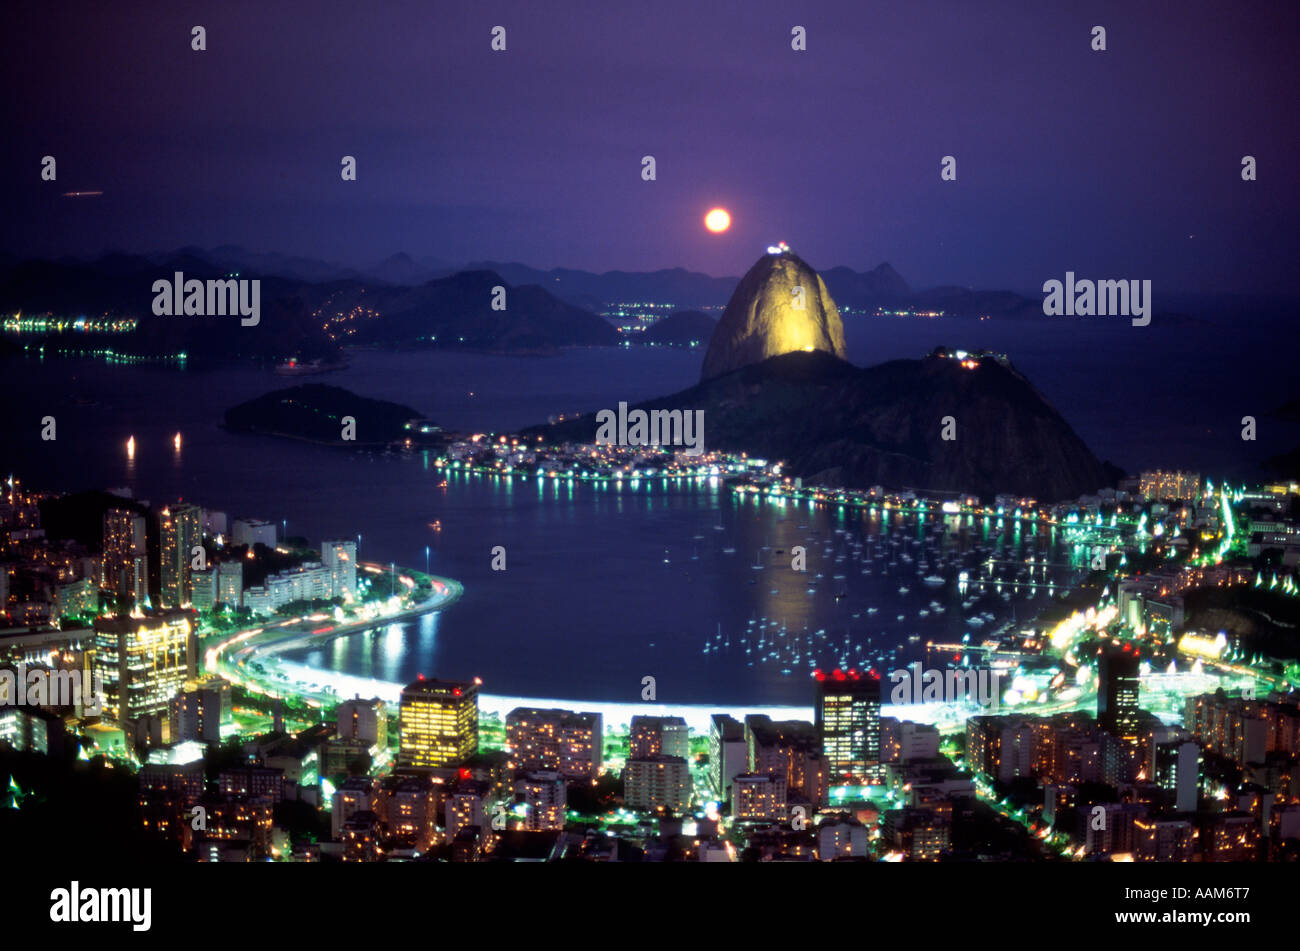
point(426, 559)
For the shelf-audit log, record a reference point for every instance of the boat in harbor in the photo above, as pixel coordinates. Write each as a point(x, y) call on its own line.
point(295, 367)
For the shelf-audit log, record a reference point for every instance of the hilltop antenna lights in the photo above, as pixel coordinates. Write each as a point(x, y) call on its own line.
point(779, 248)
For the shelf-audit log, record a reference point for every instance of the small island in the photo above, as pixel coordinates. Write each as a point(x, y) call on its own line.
point(315, 412)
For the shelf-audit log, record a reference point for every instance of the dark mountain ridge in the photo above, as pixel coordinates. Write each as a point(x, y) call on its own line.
point(837, 424)
point(302, 318)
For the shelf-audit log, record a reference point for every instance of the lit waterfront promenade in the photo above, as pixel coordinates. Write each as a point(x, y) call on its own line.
point(232, 658)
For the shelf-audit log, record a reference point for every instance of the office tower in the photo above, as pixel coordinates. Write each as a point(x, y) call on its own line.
point(180, 531)
point(656, 783)
point(651, 736)
point(1117, 692)
point(561, 740)
point(544, 797)
point(848, 722)
point(439, 723)
point(125, 565)
point(340, 559)
point(230, 583)
point(728, 753)
point(363, 720)
point(143, 661)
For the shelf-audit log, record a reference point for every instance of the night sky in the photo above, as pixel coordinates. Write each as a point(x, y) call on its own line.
point(1122, 164)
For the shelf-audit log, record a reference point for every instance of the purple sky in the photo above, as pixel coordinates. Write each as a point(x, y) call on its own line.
point(1103, 163)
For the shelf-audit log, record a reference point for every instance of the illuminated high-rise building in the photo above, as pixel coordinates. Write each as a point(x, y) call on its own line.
point(230, 583)
point(340, 558)
point(653, 736)
point(125, 565)
point(1178, 768)
point(1117, 692)
point(728, 753)
point(412, 809)
point(439, 723)
point(199, 710)
point(466, 807)
point(143, 661)
point(364, 720)
point(204, 589)
point(657, 782)
point(561, 740)
point(848, 722)
point(180, 530)
point(758, 796)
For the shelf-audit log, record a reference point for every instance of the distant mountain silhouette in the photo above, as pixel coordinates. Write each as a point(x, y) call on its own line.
point(882, 285)
point(456, 311)
point(404, 270)
point(229, 257)
point(452, 311)
point(592, 291)
point(559, 310)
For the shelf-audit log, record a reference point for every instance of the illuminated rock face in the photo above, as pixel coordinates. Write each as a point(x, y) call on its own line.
point(764, 317)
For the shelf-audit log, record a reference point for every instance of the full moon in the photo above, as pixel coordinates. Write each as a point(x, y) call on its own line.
point(717, 220)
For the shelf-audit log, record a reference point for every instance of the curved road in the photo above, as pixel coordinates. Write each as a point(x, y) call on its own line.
point(231, 656)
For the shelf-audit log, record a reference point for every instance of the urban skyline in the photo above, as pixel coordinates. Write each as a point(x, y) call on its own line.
point(683, 434)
